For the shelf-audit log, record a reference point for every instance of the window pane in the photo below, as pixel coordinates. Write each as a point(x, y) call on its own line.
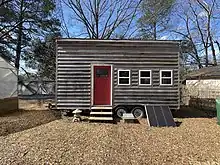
point(102, 72)
point(123, 80)
point(166, 73)
point(145, 81)
point(123, 73)
point(166, 81)
point(145, 73)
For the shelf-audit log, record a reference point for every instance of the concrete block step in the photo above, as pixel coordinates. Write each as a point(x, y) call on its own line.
point(101, 118)
point(101, 113)
point(101, 107)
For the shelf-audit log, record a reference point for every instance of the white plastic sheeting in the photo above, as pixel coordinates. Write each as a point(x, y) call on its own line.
point(8, 80)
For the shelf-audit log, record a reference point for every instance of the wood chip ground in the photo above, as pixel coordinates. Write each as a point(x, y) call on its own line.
point(195, 141)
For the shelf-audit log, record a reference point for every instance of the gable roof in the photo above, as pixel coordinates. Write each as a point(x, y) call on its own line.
point(205, 73)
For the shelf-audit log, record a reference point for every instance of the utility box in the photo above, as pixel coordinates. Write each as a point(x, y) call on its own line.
point(218, 109)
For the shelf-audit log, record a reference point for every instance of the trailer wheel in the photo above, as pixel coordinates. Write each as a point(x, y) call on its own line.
point(120, 111)
point(138, 112)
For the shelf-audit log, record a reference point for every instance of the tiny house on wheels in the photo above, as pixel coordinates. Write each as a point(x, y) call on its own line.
point(107, 77)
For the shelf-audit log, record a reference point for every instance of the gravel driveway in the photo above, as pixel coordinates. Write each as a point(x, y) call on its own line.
point(61, 142)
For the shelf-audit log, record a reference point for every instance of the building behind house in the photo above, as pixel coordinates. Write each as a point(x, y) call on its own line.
point(203, 85)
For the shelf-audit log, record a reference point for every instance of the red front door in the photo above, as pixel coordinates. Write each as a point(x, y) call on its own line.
point(102, 85)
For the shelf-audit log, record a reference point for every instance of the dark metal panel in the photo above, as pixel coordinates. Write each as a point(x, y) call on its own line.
point(159, 116)
point(168, 116)
point(151, 117)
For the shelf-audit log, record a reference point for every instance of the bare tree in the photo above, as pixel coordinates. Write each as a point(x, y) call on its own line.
point(104, 18)
point(6, 29)
point(60, 14)
point(154, 17)
point(3, 2)
point(208, 9)
point(193, 52)
point(197, 26)
point(22, 21)
point(218, 45)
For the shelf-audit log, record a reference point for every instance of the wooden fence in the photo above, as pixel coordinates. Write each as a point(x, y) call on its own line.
point(203, 103)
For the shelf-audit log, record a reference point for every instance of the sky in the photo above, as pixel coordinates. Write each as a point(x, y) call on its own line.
point(75, 28)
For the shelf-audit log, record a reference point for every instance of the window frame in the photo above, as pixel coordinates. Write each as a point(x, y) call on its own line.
point(139, 77)
point(171, 71)
point(129, 76)
point(106, 75)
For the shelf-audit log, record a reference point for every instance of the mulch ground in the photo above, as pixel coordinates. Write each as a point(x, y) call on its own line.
point(195, 141)
point(25, 119)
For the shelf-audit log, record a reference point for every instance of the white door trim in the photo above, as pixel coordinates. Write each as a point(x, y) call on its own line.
point(92, 83)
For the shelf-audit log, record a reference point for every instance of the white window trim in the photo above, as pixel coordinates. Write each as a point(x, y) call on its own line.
point(145, 77)
point(124, 77)
point(166, 77)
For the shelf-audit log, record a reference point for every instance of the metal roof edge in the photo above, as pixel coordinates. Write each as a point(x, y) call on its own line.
point(119, 40)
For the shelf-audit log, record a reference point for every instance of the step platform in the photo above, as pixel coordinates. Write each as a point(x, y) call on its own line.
point(128, 117)
point(94, 118)
point(101, 113)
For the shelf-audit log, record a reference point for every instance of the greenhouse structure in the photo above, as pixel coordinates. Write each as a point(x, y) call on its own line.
point(8, 87)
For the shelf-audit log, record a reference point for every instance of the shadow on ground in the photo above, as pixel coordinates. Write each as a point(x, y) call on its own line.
point(25, 119)
point(190, 112)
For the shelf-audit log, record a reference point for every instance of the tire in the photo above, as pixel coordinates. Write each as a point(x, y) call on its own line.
point(120, 111)
point(138, 112)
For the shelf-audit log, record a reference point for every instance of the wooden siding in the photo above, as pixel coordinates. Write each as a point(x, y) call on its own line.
point(75, 58)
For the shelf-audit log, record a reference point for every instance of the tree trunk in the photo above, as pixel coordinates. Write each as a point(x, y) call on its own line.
point(197, 57)
point(154, 31)
point(213, 53)
point(206, 56)
point(97, 19)
point(198, 61)
point(19, 37)
point(218, 45)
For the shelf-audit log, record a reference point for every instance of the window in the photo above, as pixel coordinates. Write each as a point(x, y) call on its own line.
point(145, 77)
point(123, 77)
point(102, 72)
point(166, 77)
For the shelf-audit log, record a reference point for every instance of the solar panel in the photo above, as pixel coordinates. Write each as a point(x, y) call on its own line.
point(168, 115)
point(159, 116)
point(151, 116)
